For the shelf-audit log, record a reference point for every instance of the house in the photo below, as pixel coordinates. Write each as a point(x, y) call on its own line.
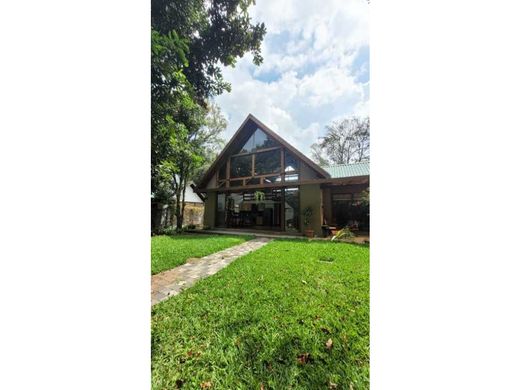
point(163, 215)
point(261, 182)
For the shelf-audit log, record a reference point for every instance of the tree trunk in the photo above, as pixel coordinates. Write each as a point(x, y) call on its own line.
point(178, 209)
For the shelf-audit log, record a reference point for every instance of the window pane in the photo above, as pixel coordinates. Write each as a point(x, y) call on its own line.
point(291, 177)
point(272, 179)
point(241, 166)
point(340, 197)
point(292, 209)
point(262, 141)
point(222, 172)
point(258, 140)
point(291, 163)
point(221, 209)
point(267, 162)
point(249, 145)
point(236, 183)
point(254, 180)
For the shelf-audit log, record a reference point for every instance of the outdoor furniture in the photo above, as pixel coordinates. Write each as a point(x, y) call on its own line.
point(328, 230)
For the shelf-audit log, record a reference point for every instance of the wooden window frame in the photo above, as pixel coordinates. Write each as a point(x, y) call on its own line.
point(282, 172)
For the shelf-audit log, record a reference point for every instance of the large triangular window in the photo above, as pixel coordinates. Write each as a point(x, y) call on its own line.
point(258, 140)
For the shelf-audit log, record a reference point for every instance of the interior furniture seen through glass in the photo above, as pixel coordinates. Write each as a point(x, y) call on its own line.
point(278, 210)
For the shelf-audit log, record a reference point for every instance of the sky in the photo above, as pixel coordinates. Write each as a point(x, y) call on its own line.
point(315, 69)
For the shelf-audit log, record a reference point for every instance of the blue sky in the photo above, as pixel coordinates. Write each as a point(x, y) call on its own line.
point(315, 69)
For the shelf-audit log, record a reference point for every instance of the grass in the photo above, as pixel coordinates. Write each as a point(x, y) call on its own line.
point(171, 251)
point(265, 322)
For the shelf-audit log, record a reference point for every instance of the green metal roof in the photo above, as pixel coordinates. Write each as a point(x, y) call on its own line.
point(349, 170)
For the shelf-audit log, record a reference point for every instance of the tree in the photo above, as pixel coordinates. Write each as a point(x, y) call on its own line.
point(318, 155)
point(217, 32)
point(191, 40)
point(215, 124)
point(346, 141)
point(198, 147)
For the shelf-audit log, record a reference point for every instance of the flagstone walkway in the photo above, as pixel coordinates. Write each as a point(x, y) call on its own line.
point(169, 283)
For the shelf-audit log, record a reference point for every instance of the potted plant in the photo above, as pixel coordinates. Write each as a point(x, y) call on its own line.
point(259, 196)
point(307, 215)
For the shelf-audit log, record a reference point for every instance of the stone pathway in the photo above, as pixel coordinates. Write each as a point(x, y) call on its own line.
point(169, 283)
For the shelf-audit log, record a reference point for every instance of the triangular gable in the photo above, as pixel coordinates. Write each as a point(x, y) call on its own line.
point(246, 136)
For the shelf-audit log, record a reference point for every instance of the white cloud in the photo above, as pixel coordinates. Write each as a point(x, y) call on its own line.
point(308, 76)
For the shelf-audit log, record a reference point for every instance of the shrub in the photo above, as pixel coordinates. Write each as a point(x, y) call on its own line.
point(307, 215)
point(167, 231)
point(342, 234)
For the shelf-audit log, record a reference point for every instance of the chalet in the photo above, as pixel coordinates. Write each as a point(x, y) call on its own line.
point(261, 182)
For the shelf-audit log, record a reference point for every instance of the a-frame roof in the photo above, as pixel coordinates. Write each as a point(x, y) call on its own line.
point(242, 134)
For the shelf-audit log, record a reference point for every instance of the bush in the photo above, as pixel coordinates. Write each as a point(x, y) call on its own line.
point(167, 231)
point(342, 234)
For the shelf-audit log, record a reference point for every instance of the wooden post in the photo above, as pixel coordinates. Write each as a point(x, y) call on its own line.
point(228, 171)
point(282, 163)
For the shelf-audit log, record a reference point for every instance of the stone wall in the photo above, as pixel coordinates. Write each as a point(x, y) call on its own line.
point(163, 215)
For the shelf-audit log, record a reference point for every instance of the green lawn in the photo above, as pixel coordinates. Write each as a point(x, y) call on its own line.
point(171, 251)
point(265, 320)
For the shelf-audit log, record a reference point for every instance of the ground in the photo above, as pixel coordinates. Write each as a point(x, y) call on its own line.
point(292, 315)
point(171, 251)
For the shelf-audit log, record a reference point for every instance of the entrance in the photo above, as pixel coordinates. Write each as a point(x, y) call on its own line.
point(275, 209)
point(243, 210)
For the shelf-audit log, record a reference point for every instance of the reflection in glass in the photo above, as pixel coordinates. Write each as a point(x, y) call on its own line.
point(241, 166)
point(291, 163)
point(292, 209)
point(221, 209)
point(222, 172)
point(253, 181)
point(258, 140)
point(272, 179)
point(267, 162)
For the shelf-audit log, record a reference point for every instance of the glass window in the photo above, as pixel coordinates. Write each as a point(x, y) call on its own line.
point(221, 209)
point(272, 179)
point(267, 162)
point(252, 181)
point(292, 209)
point(222, 172)
point(241, 166)
point(339, 197)
point(236, 183)
point(258, 140)
point(293, 177)
point(291, 163)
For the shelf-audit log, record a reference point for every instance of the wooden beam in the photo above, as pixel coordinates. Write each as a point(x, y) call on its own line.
point(337, 181)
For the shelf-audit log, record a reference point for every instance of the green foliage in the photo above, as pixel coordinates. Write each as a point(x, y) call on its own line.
point(190, 40)
point(217, 32)
point(307, 215)
point(171, 251)
point(342, 234)
point(365, 197)
point(346, 141)
point(259, 196)
point(266, 321)
point(167, 231)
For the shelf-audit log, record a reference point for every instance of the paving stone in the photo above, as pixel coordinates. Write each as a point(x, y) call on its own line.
point(170, 283)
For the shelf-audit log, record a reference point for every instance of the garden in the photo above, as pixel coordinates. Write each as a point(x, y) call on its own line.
point(293, 314)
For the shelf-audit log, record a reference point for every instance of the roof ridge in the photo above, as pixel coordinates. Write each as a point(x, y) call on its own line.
point(346, 164)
